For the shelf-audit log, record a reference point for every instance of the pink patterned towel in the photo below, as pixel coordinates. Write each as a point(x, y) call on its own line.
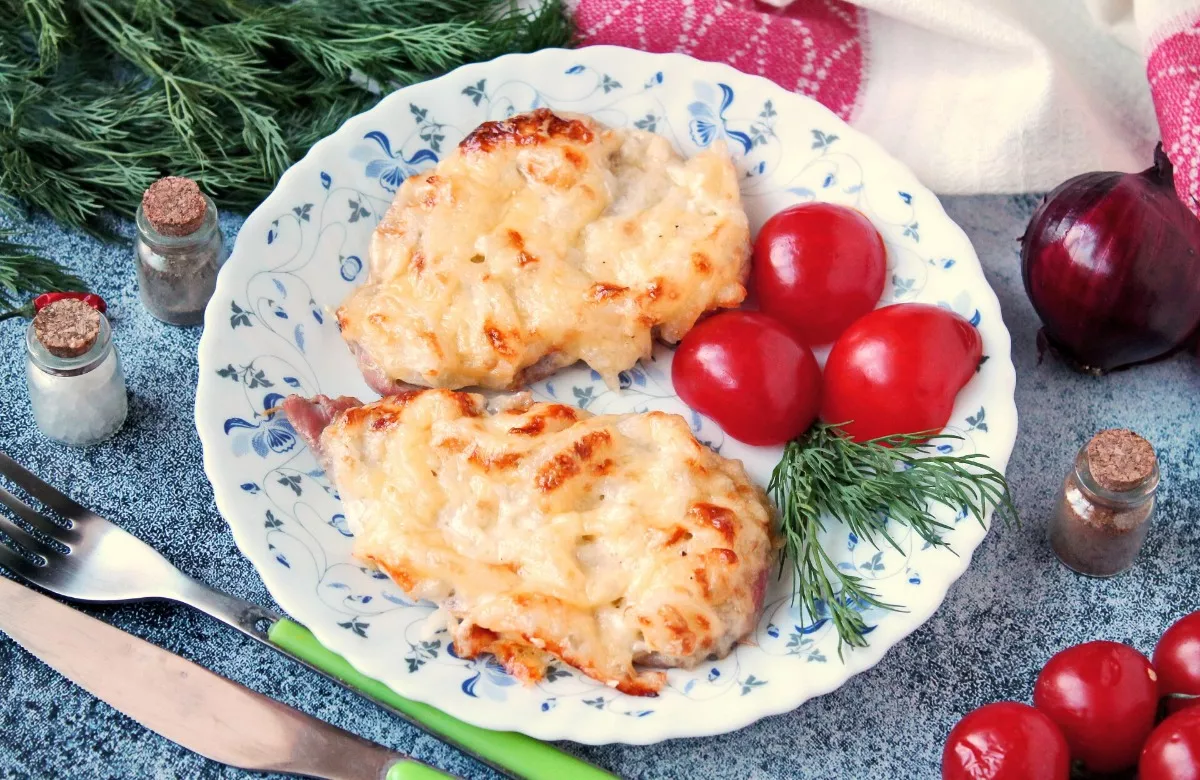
point(975, 95)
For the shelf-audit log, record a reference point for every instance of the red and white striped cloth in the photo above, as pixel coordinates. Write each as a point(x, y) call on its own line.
point(974, 95)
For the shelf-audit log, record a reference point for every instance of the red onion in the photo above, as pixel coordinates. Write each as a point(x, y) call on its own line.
point(1111, 262)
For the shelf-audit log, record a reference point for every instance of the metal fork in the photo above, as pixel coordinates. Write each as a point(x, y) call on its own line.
point(105, 563)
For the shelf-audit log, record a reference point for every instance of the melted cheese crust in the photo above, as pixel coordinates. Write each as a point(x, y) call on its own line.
point(546, 531)
point(540, 241)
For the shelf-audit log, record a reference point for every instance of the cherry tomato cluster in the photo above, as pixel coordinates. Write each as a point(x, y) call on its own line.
point(818, 272)
point(1096, 706)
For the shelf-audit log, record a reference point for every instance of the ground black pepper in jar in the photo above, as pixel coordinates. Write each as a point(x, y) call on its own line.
point(1107, 500)
point(179, 250)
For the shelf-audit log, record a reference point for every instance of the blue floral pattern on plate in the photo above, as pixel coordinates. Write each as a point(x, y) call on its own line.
point(269, 333)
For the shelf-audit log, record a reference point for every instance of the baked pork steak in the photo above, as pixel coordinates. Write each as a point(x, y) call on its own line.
point(545, 532)
point(540, 241)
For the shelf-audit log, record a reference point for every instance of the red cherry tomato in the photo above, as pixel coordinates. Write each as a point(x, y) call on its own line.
point(1177, 661)
point(819, 267)
point(898, 370)
point(1173, 750)
point(751, 375)
point(1104, 696)
point(1006, 741)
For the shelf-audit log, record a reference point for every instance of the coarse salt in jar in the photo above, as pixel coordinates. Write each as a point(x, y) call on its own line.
point(76, 384)
point(1106, 504)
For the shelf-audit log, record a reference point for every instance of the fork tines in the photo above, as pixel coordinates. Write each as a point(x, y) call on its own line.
point(47, 494)
point(22, 543)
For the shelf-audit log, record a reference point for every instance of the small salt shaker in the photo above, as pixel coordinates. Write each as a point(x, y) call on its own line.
point(73, 371)
point(179, 250)
point(1106, 504)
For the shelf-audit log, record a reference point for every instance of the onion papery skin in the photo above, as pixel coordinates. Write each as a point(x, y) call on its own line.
point(1111, 263)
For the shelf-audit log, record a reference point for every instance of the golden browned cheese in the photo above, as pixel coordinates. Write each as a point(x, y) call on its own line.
point(540, 241)
point(544, 531)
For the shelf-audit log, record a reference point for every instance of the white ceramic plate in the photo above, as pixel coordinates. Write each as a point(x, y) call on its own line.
point(268, 332)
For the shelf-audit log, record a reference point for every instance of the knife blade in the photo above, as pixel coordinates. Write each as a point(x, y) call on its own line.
point(188, 704)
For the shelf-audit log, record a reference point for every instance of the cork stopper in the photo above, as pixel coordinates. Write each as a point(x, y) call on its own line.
point(1119, 459)
point(67, 328)
point(174, 206)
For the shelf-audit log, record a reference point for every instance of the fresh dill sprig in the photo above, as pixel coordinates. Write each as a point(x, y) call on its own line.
point(98, 98)
point(23, 274)
point(825, 475)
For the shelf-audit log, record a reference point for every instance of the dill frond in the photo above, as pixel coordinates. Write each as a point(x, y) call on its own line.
point(23, 274)
point(100, 97)
point(825, 475)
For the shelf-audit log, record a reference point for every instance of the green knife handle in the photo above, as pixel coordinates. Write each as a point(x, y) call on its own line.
point(518, 754)
point(413, 770)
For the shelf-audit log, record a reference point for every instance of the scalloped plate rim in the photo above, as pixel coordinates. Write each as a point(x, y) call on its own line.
point(647, 731)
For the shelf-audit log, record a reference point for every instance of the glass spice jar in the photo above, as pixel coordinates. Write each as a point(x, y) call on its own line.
point(73, 373)
point(179, 250)
point(1106, 504)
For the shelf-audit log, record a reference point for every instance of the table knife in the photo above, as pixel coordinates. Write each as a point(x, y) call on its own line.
point(188, 704)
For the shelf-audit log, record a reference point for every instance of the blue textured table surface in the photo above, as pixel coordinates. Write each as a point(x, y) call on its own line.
point(1012, 610)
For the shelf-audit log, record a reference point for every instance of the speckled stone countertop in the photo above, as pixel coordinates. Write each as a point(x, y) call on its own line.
point(1014, 608)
